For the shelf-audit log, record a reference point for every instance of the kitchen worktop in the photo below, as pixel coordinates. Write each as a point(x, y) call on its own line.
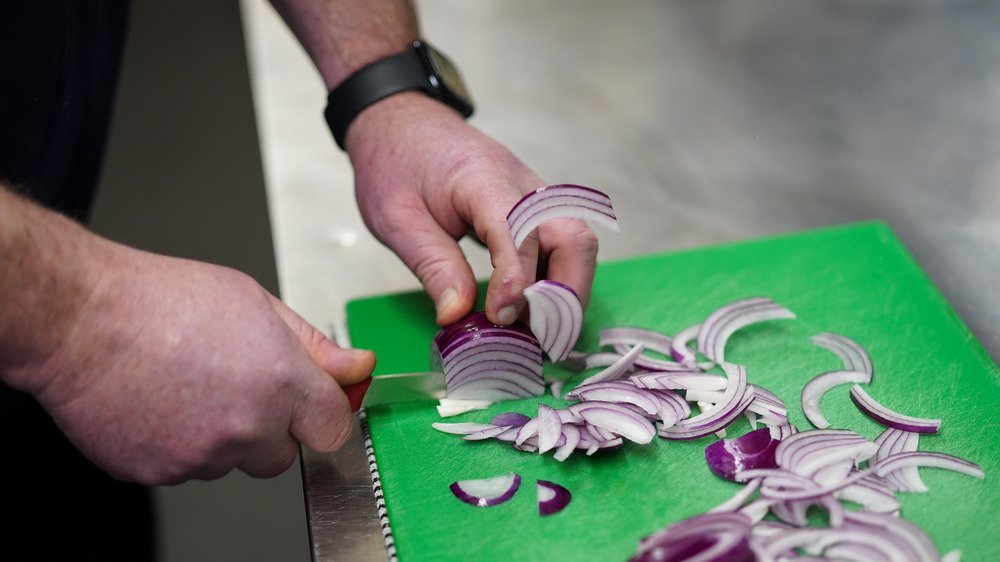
point(706, 122)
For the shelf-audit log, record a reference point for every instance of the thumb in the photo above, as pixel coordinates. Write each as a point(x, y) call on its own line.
point(438, 262)
point(346, 366)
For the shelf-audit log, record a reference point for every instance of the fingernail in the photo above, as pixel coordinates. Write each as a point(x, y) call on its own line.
point(507, 315)
point(447, 298)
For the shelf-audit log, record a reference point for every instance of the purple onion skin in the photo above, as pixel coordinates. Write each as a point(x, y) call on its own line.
point(556, 504)
point(752, 450)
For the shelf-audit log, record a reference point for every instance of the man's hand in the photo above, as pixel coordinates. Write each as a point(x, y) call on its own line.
point(161, 369)
point(424, 176)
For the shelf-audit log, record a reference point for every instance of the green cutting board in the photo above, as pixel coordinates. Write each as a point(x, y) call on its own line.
point(856, 280)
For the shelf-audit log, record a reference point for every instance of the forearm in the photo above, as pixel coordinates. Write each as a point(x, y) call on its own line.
point(48, 268)
point(341, 36)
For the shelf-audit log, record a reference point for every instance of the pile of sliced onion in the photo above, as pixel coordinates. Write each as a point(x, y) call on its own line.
point(646, 387)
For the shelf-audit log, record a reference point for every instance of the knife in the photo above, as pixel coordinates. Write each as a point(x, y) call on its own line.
point(396, 388)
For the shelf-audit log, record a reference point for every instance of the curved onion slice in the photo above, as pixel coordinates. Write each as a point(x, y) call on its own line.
point(852, 355)
point(709, 537)
point(813, 391)
point(893, 441)
point(728, 457)
point(617, 369)
point(487, 492)
point(556, 317)
point(889, 418)
point(726, 320)
point(928, 459)
point(552, 497)
point(563, 200)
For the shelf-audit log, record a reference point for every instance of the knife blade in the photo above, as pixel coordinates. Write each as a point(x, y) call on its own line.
point(396, 388)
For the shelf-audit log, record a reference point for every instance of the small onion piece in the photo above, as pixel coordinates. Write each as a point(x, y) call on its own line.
point(617, 369)
point(487, 492)
point(556, 317)
point(853, 356)
point(813, 391)
point(728, 457)
point(725, 321)
point(563, 200)
point(552, 497)
point(889, 418)
point(927, 459)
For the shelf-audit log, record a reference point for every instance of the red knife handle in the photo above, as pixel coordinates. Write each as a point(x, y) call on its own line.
point(356, 393)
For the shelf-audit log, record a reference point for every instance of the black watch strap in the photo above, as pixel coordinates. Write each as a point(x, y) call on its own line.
point(378, 80)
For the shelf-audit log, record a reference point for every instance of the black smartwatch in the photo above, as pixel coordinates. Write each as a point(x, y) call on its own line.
point(421, 67)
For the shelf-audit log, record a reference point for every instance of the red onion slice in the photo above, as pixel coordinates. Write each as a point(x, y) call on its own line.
point(813, 391)
point(852, 355)
point(556, 317)
point(549, 428)
point(464, 428)
point(487, 433)
point(572, 435)
point(725, 321)
point(927, 459)
point(893, 441)
point(552, 497)
point(563, 200)
point(617, 420)
point(487, 492)
point(706, 537)
point(734, 401)
point(617, 369)
point(890, 418)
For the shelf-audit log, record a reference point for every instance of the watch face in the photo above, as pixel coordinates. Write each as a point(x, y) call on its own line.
point(451, 82)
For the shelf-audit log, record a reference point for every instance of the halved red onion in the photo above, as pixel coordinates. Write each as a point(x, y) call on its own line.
point(487, 492)
point(556, 316)
point(552, 497)
point(853, 356)
point(563, 200)
point(725, 321)
point(483, 361)
point(728, 457)
point(889, 418)
point(813, 391)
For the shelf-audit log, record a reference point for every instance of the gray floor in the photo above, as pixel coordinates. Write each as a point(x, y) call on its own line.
point(183, 177)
